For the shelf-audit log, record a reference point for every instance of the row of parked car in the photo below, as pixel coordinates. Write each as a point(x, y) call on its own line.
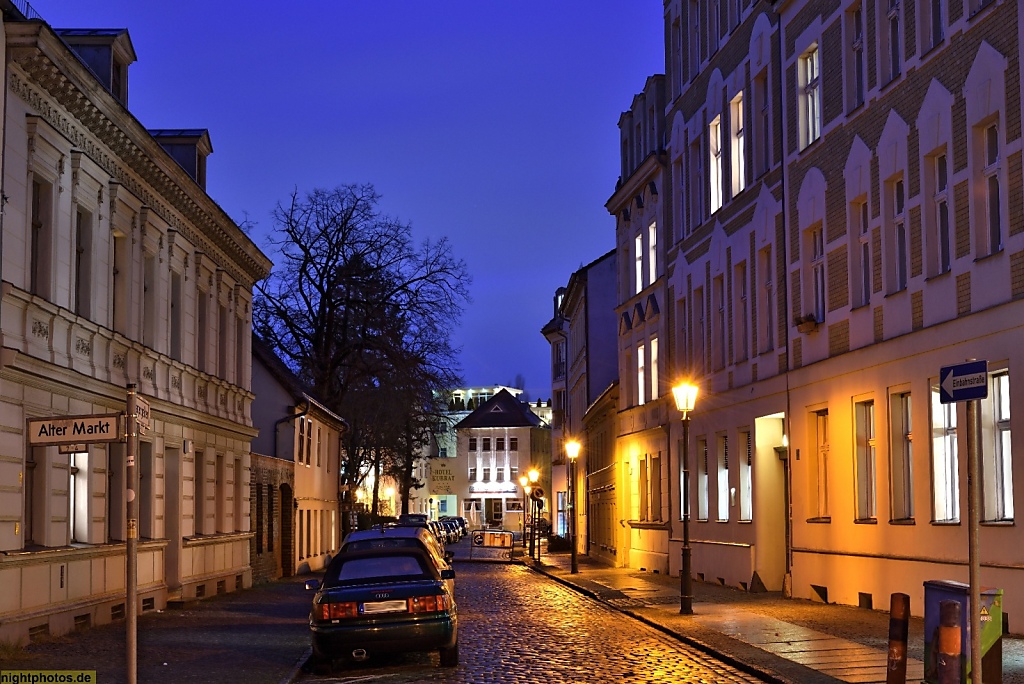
point(390, 589)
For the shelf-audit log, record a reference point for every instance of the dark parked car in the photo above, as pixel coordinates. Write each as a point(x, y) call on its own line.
point(385, 537)
point(383, 600)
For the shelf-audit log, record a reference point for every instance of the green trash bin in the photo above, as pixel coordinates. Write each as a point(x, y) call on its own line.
point(936, 591)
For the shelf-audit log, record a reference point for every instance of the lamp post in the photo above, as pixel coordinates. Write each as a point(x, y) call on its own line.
point(525, 482)
point(572, 450)
point(534, 476)
point(685, 396)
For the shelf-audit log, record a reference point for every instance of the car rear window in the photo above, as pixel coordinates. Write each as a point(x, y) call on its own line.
point(383, 543)
point(388, 568)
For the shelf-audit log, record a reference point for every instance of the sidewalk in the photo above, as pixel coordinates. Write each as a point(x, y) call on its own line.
point(791, 641)
point(258, 635)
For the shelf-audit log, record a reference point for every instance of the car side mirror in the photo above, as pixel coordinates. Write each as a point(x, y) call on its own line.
point(447, 574)
point(312, 585)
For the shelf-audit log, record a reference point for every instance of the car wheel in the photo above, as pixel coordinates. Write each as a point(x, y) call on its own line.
point(450, 656)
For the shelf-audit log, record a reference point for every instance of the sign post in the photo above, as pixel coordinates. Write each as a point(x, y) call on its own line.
point(969, 382)
point(131, 561)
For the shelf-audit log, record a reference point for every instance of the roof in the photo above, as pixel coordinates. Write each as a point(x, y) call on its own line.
point(501, 410)
point(262, 352)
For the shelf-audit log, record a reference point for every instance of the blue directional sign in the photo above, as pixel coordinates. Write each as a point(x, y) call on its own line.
point(963, 382)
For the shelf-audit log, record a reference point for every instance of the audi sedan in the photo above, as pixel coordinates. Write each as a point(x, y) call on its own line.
point(390, 600)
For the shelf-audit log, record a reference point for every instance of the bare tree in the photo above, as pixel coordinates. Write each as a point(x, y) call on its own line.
point(361, 314)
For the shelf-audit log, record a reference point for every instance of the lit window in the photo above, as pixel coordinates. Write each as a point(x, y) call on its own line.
point(997, 459)
point(638, 252)
point(819, 491)
point(746, 478)
point(654, 368)
point(945, 466)
point(652, 252)
point(864, 415)
point(715, 175)
point(738, 170)
point(723, 478)
point(702, 479)
point(641, 398)
point(810, 96)
point(902, 473)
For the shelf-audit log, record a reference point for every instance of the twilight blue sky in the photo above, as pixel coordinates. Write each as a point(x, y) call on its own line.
point(493, 124)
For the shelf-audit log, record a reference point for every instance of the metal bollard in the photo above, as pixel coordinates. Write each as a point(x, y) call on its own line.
point(949, 665)
point(899, 626)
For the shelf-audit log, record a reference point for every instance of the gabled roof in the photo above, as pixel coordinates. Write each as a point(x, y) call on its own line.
point(501, 410)
point(262, 352)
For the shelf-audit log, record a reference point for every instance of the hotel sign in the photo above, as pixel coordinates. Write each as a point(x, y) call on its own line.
point(442, 478)
point(74, 430)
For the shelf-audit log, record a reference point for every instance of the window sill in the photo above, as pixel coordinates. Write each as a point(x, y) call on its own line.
point(903, 521)
point(998, 523)
point(866, 521)
point(946, 523)
point(827, 520)
point(647, 524)
point(988, 256)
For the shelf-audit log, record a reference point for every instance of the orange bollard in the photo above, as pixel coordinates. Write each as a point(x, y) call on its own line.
point(949, 662)
point(899, 626)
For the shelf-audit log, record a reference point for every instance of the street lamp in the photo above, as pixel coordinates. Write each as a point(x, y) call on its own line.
point(534, 475)
point(572, 450)
point(525, 482)
point(685, 395)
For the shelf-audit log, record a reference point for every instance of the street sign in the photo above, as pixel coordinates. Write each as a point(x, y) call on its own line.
point(142, 412)
point(73, 430)
point(963, 382)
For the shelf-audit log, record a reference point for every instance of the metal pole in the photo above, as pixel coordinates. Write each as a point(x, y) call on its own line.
point(573, 567)
point(533, 525)
point(973, 534)
point(685, 575)
point(132, 550)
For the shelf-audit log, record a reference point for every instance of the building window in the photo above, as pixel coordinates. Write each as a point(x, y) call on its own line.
point(890, 39)
point(702, 479)
point(997, 459)
point(700, 334)
point(723, 478)
point(810, 96)
point(302, 440)
point(931, 24)
point(41, 238)
point(472, 443)
point(939, 252)
point(762, 109)
point(720, 341)
point(899, 262)
point(861, 250)
point(855, 82)
point(199, 509)
point(486, 443)
point(991, 172)
point(642, 490)
point(83, 264)
point(177, 314)
point(487, 474)
point(738, 169)
point(319, 446)
point(641, 397)
point(696, 184)
point(715, 175)
point(654, 475)
point(652, 252)
point(742, 312)
point(816, 240)
point(654, 368)
point(499, 444)
point(149, 298)
point(864, 417)
point(902, 470)
point(693, 21)
point(513, 444)
point(638, 260)
point(714, 24)
point(766, 300)
point(121, 271)
point(472, 474)
point(945, 465)
point(746, 478)
point(819, 485)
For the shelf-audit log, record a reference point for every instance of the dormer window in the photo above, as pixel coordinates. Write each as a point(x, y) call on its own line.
point(107, 53)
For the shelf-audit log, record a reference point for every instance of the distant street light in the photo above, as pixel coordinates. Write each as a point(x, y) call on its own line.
point(685, 396)
point(525, 483)
point(572, 450)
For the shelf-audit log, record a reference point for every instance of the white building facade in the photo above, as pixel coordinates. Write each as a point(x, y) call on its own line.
point(117, 269)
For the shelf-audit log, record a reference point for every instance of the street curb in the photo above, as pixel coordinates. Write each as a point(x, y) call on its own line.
point(290, 677)
point(770, 676)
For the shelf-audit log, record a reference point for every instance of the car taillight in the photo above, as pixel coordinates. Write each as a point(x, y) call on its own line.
point(428, 604)
point(336, 611)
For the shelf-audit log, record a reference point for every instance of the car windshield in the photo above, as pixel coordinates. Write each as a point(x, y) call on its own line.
point(376, 569)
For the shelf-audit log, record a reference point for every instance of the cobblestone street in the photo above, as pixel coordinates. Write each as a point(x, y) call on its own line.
point(517, 626)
